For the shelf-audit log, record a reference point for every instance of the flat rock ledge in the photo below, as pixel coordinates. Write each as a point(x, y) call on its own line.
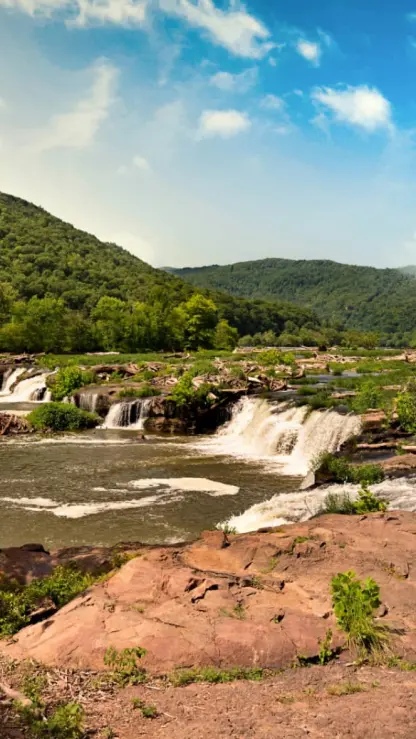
point(259, 599)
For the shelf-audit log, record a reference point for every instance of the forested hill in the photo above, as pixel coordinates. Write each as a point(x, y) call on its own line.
point(62, 289)
point(364, 298)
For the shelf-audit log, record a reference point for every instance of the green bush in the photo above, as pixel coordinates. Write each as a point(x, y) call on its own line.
point(124, 665)
point(406, 410)
point(17, 602)
point(341, 503)
point(68, 379)
point(61, 417)
point(354, 604)
point(369, 396)
point(214, 675)
point(184, 393)
point(340, 470)
point(66, 722)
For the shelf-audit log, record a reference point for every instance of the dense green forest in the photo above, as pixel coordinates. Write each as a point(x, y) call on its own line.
point(349, 297)
point(63, 290)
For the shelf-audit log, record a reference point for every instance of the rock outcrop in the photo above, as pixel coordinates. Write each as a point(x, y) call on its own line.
point(259, 599)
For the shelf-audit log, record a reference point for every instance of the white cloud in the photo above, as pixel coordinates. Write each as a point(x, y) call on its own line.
point(234, 82)
point(78, 128)
point(141, 163)
point(310, 51)
point(359, 106)
point(123, 12)
point(223, 123)
point(273, 102)
point(235, 29)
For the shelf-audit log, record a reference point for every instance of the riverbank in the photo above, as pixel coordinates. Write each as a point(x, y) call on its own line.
point(259, 602)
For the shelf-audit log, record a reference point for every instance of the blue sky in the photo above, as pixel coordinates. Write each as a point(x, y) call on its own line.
point(207, 131)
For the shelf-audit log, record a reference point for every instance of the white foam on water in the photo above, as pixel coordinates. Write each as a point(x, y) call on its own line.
point(80, 510)
point(77, 440)
point(187, 484)
point(9, 379)
point(32, 389)
point(285, 440)
point(301, 506)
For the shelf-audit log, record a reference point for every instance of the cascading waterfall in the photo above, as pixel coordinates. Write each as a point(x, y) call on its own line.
point(288, 437)
point(9, 378)
point(32, 389)
point(88, 401)
point(129, 415)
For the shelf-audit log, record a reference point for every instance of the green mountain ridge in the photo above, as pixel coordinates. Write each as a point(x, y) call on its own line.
point(363, 298)
point(42, 258)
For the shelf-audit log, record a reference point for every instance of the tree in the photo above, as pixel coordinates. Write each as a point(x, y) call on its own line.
point(225, 337)
point(8, 296)
point(200, 319)
point(111, 317)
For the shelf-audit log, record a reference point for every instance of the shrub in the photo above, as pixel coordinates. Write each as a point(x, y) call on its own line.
point(406, 411)
point(68, 379)
point(269, 357)
point(66, 722)
point(61, 417)
point(214, 675)
point(124, 665)
point(354, 603)
point(148, 711)
point(370, 396)
point(17, 602)
point(340, 470)
point(341, 503)
point(184, 393)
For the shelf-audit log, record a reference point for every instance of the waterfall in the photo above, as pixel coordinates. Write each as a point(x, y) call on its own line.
point(88, 401)
point(130, 415)
point(9, 378)
point(288, 437)
point(32, 389)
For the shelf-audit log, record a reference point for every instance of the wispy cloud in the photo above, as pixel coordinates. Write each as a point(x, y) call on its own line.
point(122, 12)
point(141, 163)
point(273, 102)
point(233, 27)
point(235, 82)
point(223, 123)
point(360, 106)
point(77, 128)
point(310, 50)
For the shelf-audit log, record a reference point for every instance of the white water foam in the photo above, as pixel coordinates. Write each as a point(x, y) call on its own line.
point(285, 440)
point(187, 484)
point(32, 389)
point(79, 510)
point(129, 415)
point(301, 506)
point(9, 379)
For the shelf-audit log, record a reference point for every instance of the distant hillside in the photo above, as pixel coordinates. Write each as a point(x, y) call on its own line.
point(42, 256)
point(364, 298)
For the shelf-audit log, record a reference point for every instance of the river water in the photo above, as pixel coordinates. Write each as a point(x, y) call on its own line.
point(105, 486)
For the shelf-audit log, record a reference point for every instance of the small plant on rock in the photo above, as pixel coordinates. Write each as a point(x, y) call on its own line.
point(368, 502)
point(124, 665)
point(354, 604)
point(326, 653)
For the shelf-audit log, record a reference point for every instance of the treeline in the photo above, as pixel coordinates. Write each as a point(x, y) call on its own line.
point(63, 290)
point(349, 297)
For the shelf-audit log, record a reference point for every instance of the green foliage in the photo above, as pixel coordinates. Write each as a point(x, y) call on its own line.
point(68, 379)
point(225, 336)
point(124, 665)
point(368, 502)
point(215, 675)
point(326, 653)
point(66, 722)
point(61, 417)
point(354, 603)
point(17, 602)
point(269, 357)
point(340, 470)
point(369, 396)
point(184, 393)
point(148, 711)
point(406, 410)
point(364, 298)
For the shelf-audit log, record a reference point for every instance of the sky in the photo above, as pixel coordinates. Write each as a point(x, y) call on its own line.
point(199, 132)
